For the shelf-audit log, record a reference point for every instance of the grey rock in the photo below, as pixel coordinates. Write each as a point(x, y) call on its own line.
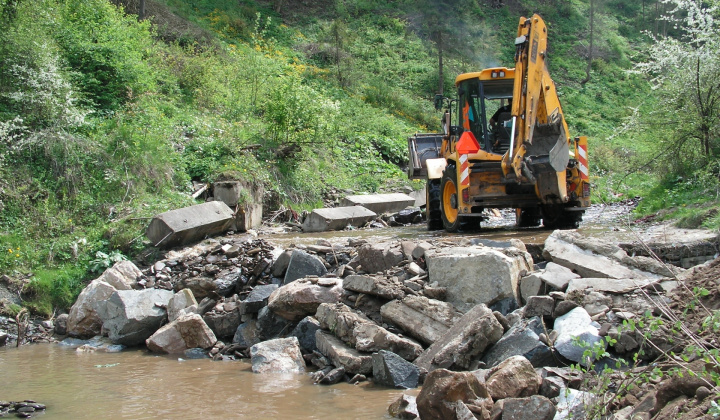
point(123, 275)
point(223, 324)
point(571, 404)
point(83, 319)
point(281, 264)
point(419, 321)
point(280, 355)
point(599, 259)
point(515, 377)
point(404, 407)
point(539, 306)
point(302, 297)
point(610, 285)
point(531, 285)
point(388, 288)
point(376, 258)
point(270, 325)
point(456, 268)
point(305, 333)
point(179, 302)
point(341, 355)
point(361, 333)
point(574, 329)
point(200, 286)
point(522, 339)
point(333, 377)
point(61, 324)
point(195, 353)
point(391, 370)
point(186, 332)
point(468, 339)
point(257, 299)
point(551, 386)
point(247, 334)
point(519, 408)
point(302, 265)
point(131, 316)
point(556, 276)
point(563, 307)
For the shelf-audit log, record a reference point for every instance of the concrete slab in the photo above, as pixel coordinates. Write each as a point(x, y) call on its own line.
point(321, 220)
point(189, 224)
point(248, 199)
point(380, 203)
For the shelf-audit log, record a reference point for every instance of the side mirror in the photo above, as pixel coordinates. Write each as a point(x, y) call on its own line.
point(438, 102)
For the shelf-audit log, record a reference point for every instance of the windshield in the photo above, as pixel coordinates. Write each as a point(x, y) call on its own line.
point(479, 102)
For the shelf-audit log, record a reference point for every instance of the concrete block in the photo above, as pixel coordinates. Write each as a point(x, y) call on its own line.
point(189, 224)
point(321, 220)
point(380, 203)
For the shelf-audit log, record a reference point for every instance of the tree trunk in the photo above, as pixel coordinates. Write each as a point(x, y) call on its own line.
point(141, 13)
point(590, 50)
point(441, 81)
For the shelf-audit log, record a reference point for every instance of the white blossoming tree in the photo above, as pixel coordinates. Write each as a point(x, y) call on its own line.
point(684, 70)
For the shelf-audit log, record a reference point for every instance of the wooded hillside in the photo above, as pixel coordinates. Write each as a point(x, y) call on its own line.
point(107, 119)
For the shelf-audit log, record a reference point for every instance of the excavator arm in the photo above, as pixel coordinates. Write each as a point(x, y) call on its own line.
point(540, 144)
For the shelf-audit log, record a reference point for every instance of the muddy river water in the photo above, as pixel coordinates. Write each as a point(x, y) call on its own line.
point(135, 384)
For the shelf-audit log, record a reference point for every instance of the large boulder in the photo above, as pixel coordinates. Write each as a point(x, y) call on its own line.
point(441, 391)
point(591, 257)
point(376, 258)
point(478, 274)
point(576, 333)
point(301, 298)
point(186, 332)
point(391, 370)
point(363, 334)
point(465, 341)
point(131, 316)
point(277, 356)
point(513, 378)
point(341, 355)
point(423, 318)
point(303, 265)
point(83, 319)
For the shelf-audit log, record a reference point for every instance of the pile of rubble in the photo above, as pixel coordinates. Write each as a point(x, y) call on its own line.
point(488, 333)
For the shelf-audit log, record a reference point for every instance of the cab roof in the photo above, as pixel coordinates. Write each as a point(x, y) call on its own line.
point(486, 74)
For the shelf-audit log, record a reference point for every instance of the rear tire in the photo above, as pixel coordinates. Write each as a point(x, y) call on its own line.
point(432, 205)
point(527, 217)
point(556, 217)
point(449, 200)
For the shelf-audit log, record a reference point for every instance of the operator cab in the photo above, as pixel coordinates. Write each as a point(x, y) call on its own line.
point(480, 96)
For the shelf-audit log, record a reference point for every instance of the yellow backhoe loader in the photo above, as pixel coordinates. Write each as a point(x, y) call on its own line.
point(505, 144)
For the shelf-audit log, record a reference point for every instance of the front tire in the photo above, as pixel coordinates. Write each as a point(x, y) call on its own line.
point(432, 205)
point(449, 199)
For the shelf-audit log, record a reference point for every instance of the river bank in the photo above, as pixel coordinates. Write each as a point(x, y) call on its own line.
point(395, 274)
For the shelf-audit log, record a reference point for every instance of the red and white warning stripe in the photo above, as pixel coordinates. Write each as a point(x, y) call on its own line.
point(583, 160)
point(464, 170)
